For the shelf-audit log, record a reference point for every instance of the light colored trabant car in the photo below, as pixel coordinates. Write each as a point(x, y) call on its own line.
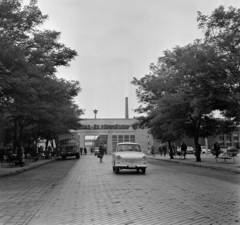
point(128, 155)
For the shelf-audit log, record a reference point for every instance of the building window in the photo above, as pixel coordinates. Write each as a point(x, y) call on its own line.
point(229, 140)
point(120, 138)
point(221, 140)
point(132, 138)
point(126, 138)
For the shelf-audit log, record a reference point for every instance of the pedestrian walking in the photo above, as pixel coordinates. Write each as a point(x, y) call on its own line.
point(153, 150)
point(184, 149)
point(20, 154)
point(101, 152)
point(174, 148)
point(164, 148)
point(160, 149)
point(81, 149)
point(105, 149)
point(85, 150)
point(217, 149)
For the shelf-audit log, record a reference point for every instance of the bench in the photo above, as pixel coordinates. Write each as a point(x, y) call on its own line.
point(29, 157)
point(6, 159)
point(180, 154)
point(225, 157)
point(41, 155)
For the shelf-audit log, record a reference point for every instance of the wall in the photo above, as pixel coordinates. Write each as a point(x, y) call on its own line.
point(112, 127)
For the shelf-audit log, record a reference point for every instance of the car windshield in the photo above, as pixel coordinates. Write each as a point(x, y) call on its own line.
point(129, 147)
point(68, 141)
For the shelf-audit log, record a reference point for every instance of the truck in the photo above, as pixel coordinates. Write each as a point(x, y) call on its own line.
point(69, 145)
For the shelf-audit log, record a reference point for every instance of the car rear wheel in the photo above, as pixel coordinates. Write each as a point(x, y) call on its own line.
point(143, 170)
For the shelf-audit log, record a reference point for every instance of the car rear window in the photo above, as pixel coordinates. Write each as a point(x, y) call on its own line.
point(123, 148)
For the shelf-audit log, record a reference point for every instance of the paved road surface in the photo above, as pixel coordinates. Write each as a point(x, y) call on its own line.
point(88, 192)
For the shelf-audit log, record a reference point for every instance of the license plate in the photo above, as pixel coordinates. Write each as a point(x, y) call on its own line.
point(132, 165)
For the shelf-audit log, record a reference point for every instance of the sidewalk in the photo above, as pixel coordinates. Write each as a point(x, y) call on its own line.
point(207, 161)
point(7, 170)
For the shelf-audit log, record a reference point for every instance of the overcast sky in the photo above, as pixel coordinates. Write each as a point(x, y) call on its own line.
point(117, 40)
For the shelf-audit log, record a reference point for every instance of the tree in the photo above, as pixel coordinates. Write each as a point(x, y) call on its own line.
point(176, 95)
point(30, 93)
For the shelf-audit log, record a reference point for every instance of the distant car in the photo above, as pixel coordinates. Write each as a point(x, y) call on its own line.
point(204, 150)
point(190, 150)
point(128, 155)
point(96, 151)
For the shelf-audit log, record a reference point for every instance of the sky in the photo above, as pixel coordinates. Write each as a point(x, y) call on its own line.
point(117, 40)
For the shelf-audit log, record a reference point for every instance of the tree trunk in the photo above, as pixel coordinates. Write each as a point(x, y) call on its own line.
point(198, 152)
point(46, 144)
point(171, 150)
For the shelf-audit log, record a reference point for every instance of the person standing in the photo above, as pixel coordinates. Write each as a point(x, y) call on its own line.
point(101, 152)
point(153, 150)
point(81, 149)
point(20, 153)
point(174, 148)
point(85, 150)
point(105, 149)
point(184, 149)
point(160, 149)
point(164, 148)
point(216, 147)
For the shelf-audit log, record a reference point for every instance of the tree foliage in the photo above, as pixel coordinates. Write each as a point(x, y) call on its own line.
point(32, 98)
point(222, 33)
point(188, 84)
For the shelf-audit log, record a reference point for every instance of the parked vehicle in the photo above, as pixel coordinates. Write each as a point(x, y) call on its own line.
point(128, 155)
point(69, 147)
point(205, 150)
point(190, 150)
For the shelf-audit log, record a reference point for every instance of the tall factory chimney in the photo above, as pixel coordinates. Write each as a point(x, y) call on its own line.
point(126, 107)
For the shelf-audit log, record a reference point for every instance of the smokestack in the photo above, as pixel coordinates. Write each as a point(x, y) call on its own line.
point(126, 107)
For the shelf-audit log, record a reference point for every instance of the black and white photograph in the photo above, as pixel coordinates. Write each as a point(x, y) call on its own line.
point(119, 112)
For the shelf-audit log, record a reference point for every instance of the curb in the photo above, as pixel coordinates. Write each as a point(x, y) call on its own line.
point(199, 165)
point(26, 169)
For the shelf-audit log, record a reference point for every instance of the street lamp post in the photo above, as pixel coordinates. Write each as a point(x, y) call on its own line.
point(95, 112)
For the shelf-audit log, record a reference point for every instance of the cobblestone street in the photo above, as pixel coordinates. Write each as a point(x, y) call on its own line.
point(88, 192)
